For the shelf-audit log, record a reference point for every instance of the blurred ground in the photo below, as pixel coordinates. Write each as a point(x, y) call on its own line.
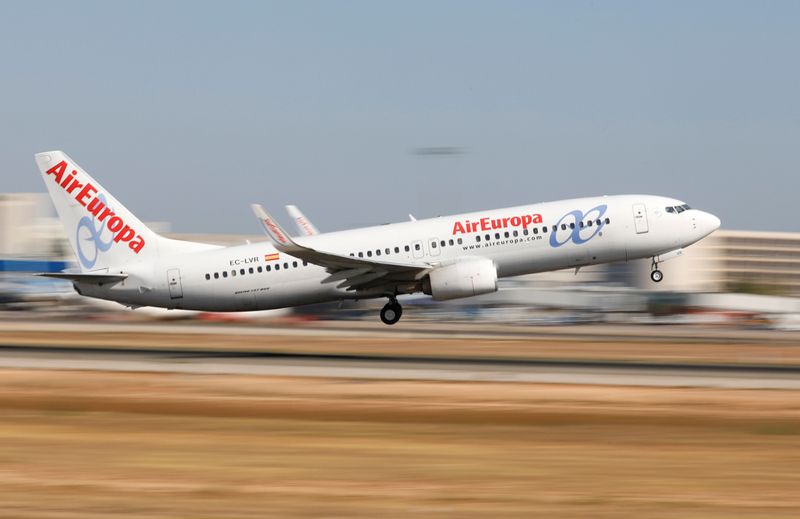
point(90, 444)
point(93, 443)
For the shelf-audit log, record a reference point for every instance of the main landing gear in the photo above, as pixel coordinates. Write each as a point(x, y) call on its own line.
point(656, 275)
point(392, 312)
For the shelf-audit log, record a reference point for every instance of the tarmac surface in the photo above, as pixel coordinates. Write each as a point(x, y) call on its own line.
point(384, 367)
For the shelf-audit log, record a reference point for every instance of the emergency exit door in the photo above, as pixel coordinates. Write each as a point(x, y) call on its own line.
point(640, 218)
point(174, 283)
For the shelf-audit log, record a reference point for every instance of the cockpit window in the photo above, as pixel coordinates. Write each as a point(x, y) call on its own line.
point(686, 207)
point(670, 209)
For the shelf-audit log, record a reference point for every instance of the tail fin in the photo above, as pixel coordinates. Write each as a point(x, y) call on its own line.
point(101, 231)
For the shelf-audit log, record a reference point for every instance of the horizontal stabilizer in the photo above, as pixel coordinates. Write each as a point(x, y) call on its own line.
point(85, 277)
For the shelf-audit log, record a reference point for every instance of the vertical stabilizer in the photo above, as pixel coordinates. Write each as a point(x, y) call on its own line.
point(101, 231)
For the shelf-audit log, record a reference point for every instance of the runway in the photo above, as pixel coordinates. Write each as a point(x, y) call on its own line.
point(366, 367)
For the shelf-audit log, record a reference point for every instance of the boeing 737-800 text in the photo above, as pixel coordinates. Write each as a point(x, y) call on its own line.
point(448, 257)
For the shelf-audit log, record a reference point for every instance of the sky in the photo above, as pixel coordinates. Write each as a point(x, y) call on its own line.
point(190, 111)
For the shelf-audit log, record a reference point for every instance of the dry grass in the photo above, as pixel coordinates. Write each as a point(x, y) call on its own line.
point(88, 444)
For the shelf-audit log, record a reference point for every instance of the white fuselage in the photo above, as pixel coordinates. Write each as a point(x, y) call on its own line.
point(622, 228)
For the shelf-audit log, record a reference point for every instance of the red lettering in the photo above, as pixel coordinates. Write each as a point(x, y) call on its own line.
point(106, 212)
point(124, 235)
point(505, 222)
point(58, 170)
point(515, 221)
point(497, 224)
point(537, 218)
point(75, 185)
point(114, 223)
point(526, 220)
point(137, 244)
point(87, 191)
point(66, 180)
point(95, 206)
point(458, 228)
point(484, 224)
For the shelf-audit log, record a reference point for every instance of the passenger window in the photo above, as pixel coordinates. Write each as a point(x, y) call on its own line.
point(416, 246)
point(360, 254)
point(305, 263)
point(225, 273)
point(233, 273)
point(544, 230)
point(506, 234)
point(260, 270)
point(589, 223)
point(241, 271)
point(598, 222)
point(535, 230)
point(525, 231)
point(443, 243)
point(407, 248)
point(369, 253)
point(388, 250)
point(208, 276)
point(268, 268)
point(555, 228)
point(582, 224)
point(433, 244)
point(563, 226)
point(460, 241)
point(397, 250)
point(451, 241)
point(377, 252)
point(497, 236)
point(571, 225)
point(488, 237)
point(352, 254)
point(608, 220)
point(277, 266)
point(286, 265)
point(216, 275)
point(251, 270)
point(477, 238)
point(294, 264)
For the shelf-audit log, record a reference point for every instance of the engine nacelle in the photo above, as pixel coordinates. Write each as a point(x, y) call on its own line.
point(464, 278)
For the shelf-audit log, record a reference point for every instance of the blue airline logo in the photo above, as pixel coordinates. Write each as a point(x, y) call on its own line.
point(577, 234)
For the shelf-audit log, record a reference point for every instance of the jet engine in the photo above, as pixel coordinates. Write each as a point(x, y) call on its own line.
point(464, 278)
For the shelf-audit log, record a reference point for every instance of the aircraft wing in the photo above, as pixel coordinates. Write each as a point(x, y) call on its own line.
point(354, 273)
point(304, 225)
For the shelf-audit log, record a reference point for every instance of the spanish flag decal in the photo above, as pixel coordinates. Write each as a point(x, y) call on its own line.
point(271, 257)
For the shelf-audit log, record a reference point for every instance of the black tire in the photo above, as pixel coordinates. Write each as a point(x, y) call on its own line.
point(391, 313)
point(656, 276)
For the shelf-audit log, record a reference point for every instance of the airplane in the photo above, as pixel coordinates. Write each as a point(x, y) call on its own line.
point(448, 257)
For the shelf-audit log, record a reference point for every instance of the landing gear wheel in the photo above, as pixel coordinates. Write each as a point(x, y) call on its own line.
point(391, 313)
point(656, 276)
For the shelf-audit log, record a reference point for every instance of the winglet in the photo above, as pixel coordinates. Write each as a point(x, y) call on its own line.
point(304, 225)
point(273, 229)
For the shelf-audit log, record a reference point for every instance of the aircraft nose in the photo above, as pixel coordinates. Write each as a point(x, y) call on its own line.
point(708, 222)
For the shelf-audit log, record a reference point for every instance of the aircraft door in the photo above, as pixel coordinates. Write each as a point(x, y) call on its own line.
point(417, 248)
point(434, 246)
point(174, 283)
point(640, 218)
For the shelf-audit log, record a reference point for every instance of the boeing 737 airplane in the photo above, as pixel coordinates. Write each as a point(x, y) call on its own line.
point(448, 257)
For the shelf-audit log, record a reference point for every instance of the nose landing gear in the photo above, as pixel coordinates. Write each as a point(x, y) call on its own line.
point(392, 312)
point(656, 275)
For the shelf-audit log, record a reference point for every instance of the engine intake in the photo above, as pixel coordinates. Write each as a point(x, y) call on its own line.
point(465, 278)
